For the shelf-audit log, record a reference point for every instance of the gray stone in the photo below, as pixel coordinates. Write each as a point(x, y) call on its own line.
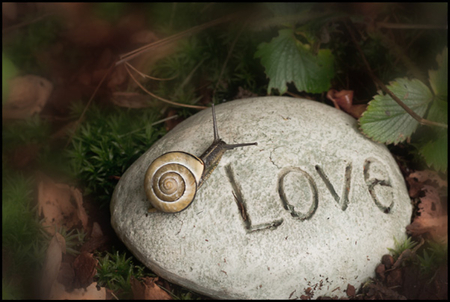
point(317, 204)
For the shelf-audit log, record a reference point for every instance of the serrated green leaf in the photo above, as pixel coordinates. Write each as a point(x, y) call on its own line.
point(439, 77)
point(288, 60)
point(435, 153)
point(385, 121)
point(438, 111)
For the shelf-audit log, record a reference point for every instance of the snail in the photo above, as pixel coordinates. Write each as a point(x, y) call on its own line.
point(172, 180)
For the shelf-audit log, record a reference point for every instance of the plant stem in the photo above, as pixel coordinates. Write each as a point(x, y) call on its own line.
point(377, 81)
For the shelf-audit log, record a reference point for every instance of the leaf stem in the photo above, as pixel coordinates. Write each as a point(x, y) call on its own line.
point(379, 83)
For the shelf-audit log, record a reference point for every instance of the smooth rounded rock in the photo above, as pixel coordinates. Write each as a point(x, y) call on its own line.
point(310, 209)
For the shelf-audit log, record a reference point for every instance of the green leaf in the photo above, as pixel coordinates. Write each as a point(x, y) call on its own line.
point(439, 78)
point(286, 60)
point(385, 121)
point(435, 153)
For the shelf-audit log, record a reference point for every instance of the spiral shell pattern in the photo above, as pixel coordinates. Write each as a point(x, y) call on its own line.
point(171, 181)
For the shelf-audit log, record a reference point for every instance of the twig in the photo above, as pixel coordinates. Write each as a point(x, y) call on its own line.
point(150, 77)
point(158, 97)
point(417, 117)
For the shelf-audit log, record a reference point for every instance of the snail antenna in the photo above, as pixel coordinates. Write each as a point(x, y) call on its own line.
point(216, 131)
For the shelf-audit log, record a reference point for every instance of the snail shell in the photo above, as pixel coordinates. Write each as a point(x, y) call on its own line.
point(172, 179)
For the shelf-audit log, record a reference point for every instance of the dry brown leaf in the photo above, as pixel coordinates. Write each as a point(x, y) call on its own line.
point(91, 293)
point(52, 264)
point(344, 100)
point(414, 186)
point(132, 100)
point(84, 268)
point(27, 96)
point(55, 204)
point(148, 290)
point(433, 218)
point(433, 176)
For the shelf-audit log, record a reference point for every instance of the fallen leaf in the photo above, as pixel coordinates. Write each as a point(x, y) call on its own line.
point(27, 96)
point(59, 292)
point(433, 219)
point(350, 290)
point(415, 186)
point(344, 100)
point(84, 268)
point(148, 289)
point(341, 99)
point(56, 205)
point(52, 264)
point(433, 176)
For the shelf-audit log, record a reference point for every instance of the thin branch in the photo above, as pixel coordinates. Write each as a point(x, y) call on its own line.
point(417, 117)
point(158, 97)
point(150, 77)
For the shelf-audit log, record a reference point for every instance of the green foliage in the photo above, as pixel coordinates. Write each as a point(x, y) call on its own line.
point(401, 247)
point(31, 130)
point(73, 239)
point(23, 243)
point(10, 291)
point(8, 72)
point(385, 121)
point(286, 60)
point(107, 143)
point(432, 257)
point(114, 271)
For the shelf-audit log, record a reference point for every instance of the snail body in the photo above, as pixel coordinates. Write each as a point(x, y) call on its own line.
point(173, 179)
